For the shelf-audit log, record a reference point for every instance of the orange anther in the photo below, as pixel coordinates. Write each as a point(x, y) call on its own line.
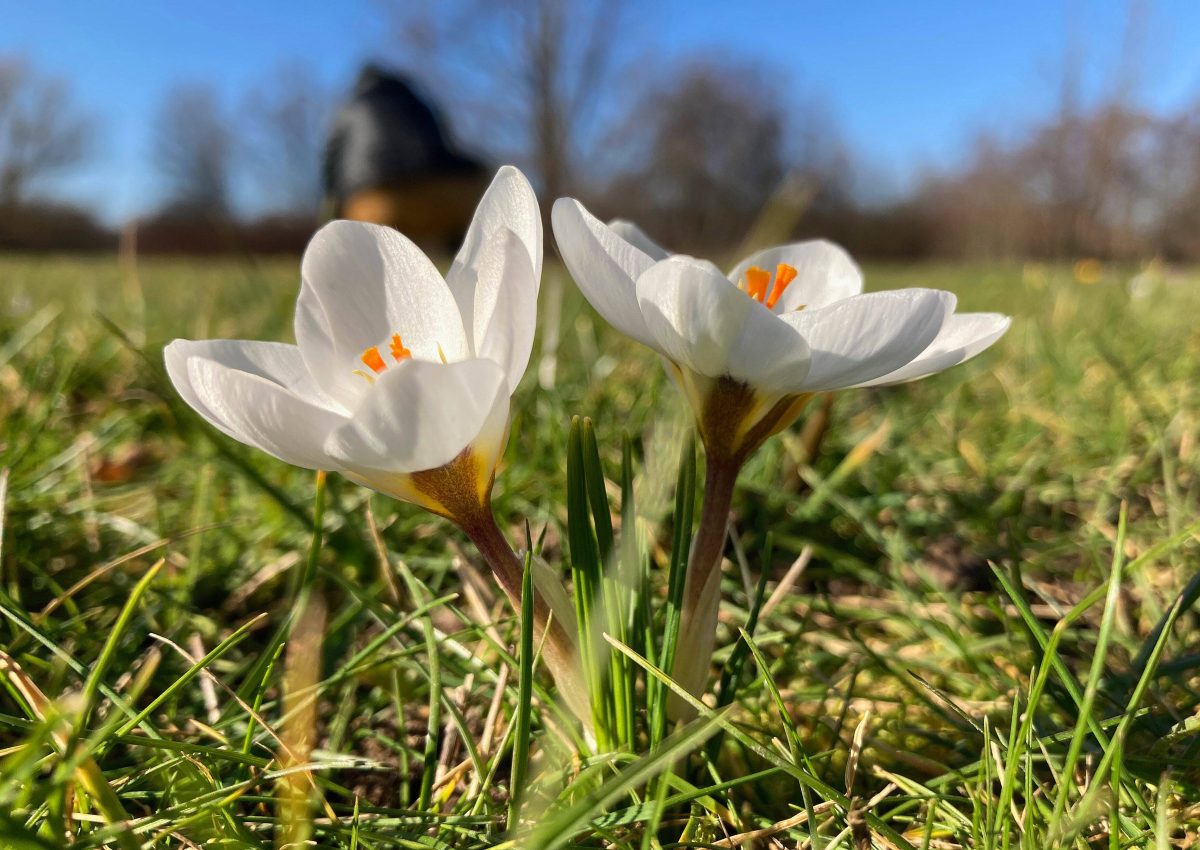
point(756, 283)
point(784, 274)
point(398, 350)
point(373, 360)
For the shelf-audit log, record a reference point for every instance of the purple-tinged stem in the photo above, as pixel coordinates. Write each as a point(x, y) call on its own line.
point(552, 626)
point(702, 587)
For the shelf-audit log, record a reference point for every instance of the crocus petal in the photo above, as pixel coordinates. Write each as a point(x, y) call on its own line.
point(604, 266)
point(239, 388)
point(362, 283)
point(276, 361)
point(504, 312)
point(825, 273)
point(637, 237)
point(508, 203)
point(703, 323)
point(864, 337)
point(420, 416)
point(962, 337)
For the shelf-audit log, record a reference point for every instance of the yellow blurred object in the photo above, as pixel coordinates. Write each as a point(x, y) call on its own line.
point(1088, 271)
point(389, 160)
point(430, 211)
point(1034, 275)
point(973, 457)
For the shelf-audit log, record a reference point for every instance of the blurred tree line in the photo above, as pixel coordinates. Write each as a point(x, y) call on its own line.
point(241, 178)
point(706, 154)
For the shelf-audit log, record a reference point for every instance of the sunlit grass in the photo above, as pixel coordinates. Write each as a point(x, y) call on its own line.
point(886, 697)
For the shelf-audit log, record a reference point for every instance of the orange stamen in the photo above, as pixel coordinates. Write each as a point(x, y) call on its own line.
point(373, 360)
point(398, 350)
point(784, 274)
point(756, 283)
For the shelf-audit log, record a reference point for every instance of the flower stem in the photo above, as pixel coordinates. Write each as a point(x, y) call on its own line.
point(553, 625)
point(504, 562)
point(702, 587)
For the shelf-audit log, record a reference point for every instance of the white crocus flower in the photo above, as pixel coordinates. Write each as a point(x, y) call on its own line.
point(782, 325)
point(750, 348)
point(399, 379)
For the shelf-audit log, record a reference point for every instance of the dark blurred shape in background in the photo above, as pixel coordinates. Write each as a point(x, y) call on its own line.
point(388, 161)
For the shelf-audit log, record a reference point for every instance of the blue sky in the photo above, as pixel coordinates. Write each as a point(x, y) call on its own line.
point(909, 83)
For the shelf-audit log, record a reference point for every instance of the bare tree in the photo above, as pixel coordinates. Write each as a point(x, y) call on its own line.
point(523, 76)
point(286, 119)
point(194, 152)
point(1115, 181)
point(982, 209)
point(42, 131)
point(1094, 180)
point(710, 145)
point(709, 152)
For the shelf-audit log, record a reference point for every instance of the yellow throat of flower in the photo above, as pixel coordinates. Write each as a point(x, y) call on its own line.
point(757, 282)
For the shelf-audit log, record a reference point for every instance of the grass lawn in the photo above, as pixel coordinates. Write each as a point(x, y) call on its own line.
point(990, 643)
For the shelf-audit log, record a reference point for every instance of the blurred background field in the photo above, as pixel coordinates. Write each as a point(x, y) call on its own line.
point(160, 173)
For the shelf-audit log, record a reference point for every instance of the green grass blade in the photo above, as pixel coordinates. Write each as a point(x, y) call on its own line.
point(1096, 672)
point(685, 501)
point(92, 685)
point(520, 758)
